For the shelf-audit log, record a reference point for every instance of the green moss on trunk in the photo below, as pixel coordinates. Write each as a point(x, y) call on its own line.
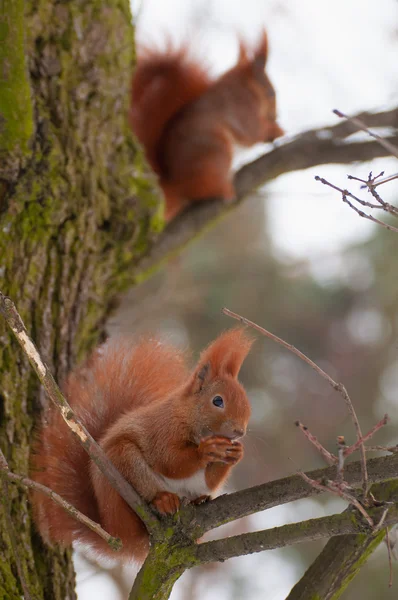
point(16, 115)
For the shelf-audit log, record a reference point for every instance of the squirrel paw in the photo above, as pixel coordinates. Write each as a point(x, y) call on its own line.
point(166, 503)
point(220, 449)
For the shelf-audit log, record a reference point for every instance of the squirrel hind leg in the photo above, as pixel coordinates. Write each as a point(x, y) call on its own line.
point(211, 183)
point(174, 202)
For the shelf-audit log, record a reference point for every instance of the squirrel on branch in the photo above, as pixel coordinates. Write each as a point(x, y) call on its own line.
point(171, 433)
point(189, 124)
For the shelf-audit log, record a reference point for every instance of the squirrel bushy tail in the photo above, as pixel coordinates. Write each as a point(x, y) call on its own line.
point(163, 83)
point(119, 376)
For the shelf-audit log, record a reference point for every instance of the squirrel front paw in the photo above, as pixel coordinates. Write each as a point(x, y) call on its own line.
point(220, 449)
point(166, 503)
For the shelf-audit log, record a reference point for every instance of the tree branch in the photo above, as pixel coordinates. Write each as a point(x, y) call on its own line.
point(25, 482)
point(348, 522)
point(341, 558)
point(230, 507)
point(10, 313)
point(326, 145)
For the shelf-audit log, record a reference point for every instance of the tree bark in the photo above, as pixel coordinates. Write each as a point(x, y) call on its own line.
point(77, 209)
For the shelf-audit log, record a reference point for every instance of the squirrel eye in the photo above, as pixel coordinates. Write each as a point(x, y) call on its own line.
point(218, 401)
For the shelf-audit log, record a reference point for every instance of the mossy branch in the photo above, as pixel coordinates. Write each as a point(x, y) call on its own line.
point(227, 508)
point(167, 560)
point(348, 522)
point(16, 112)
point(341, 559)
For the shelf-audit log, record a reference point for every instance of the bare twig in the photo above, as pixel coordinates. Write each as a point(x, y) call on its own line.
point(383, 517)
point(392, 449)
point(340, 467)
point(338, 490)
point(371, 184)
point(345, 194)
point(96, 453)
point(384, 180)
point(389, 556)
point(328, 457)
point(367, 216)
point(350, 449)
point(339, 387)
point(5, 473)
point(383, 142)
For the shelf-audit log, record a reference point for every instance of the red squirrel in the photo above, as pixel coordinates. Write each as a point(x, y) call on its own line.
point(188, 124)
point(171, 432)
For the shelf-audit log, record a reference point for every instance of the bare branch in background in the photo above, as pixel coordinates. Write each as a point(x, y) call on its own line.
point(326, 145)
point(329, 458)
point(360, 125)
point(339, 387)
point(345, 194)
point(371, 182)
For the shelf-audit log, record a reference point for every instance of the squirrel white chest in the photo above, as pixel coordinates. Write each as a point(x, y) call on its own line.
point(190, 487)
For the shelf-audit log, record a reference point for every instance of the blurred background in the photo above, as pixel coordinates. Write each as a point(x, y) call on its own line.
point(294, 259)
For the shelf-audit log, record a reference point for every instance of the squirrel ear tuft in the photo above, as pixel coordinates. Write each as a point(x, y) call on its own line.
point(226, 354)
point(260, 55)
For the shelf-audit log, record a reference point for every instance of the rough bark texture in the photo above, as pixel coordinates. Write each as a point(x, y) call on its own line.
point(68, 164)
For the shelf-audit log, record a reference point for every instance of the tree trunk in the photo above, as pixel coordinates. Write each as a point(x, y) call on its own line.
point(77, 210)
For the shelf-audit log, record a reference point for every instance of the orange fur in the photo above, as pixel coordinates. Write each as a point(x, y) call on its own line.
point(157, 423)
point(188, 124)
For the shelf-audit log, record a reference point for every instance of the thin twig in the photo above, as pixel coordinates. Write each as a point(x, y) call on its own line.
point(389, 556)
point(370, 183)
point(384, 180)
point(346, 193)
point(390, 147)
point(350, 449)
point(339, 387)
point(367, 216)
point(328, 457)
point(338, 491)
point(340, 468)
point(96, 453)
point(383, 517)
point(114, 543)
point(392, 449)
